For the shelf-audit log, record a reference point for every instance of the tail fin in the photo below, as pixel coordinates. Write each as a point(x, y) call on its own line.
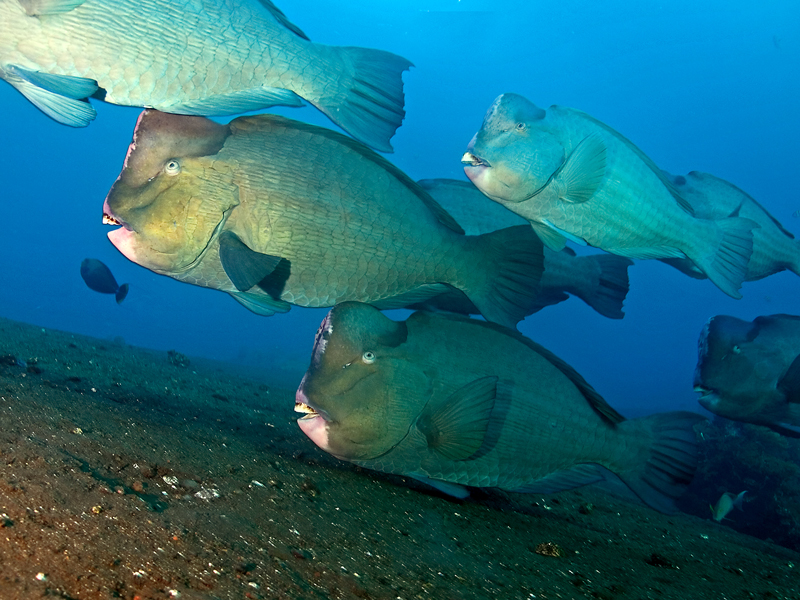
point(670, 460)
point(608, 290)
point(793, 264)
point(513, 264)
point(369, 103)
point(726, 266)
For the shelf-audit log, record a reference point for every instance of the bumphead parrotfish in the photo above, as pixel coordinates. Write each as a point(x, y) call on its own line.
point(454, 401)
point(774, 248)
point(574, 178)
point(600, 280)
point(98, 277)
point(277, 212)
point(193, 57)
point(750, 371)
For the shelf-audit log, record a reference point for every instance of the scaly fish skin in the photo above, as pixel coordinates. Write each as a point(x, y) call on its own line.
point(454, 401)
point(277, 212)
point(575, 178)
point(750, 371)
point(201, 57)
point(774, 248)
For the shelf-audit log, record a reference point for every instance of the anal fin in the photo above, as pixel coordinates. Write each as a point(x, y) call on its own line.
point(235, 102)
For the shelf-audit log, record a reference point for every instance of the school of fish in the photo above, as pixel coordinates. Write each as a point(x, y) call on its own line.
point(276, 212)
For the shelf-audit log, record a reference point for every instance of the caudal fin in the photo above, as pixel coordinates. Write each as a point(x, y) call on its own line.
point(505, 278)
point(608, 290)
point(367, 99)
point(665, 467)
point(726, 264)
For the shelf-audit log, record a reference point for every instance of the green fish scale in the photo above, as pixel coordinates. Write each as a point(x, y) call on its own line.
point(350, 229)
point(549, 425)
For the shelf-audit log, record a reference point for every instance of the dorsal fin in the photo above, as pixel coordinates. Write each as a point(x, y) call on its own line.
point(281, 18)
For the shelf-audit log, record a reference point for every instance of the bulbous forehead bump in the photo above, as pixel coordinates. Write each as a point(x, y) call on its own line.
point(159, 137)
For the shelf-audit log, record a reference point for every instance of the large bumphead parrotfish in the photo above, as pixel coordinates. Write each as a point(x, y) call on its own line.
point(194, 57)
point(277, 212)
point(600, 280)
point(774, 248)
point(574, 178)
point(454, 402)
point(750, 371)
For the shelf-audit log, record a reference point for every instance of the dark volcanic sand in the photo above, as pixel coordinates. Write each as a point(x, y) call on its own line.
point(126, 475)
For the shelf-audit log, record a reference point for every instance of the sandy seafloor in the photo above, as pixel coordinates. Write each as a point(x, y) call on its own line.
point(128, 473)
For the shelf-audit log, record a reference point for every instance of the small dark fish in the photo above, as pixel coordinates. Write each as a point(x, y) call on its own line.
point(750, 371)
point(99, 278)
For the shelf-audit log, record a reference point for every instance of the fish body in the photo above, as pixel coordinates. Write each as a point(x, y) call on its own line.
point(457, 402)
point(600, 280)
point(726, 503)
point(98, 277)
point(277, 212)
point(196, 57)
point(574, 178)
point(750, 371)
point(774, 248)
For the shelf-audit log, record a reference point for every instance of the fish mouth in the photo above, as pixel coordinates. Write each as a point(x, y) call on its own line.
point(303, 405)
point(109, 218)
point(473, 160)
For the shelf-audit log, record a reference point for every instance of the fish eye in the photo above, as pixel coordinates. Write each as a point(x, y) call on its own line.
point(368, 357)
point(173, 167)
point(521, 127)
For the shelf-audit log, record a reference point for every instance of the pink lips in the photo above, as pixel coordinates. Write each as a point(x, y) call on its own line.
point(123, 237)
point(312, 424)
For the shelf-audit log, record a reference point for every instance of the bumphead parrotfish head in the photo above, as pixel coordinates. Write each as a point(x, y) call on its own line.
point(728, 373)
point(360, 394)
point(173, 193)
point(513, 154)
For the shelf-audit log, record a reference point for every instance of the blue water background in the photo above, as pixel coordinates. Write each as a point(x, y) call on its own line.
point(709, 86)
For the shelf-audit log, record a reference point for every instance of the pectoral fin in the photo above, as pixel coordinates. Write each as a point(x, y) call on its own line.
point(60, 97)
point(582, 173)
point(244, 267)
point(456, 430)
point(35, 8)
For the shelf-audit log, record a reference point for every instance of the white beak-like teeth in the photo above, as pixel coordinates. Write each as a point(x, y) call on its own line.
point(304, 408)
point(109, 220)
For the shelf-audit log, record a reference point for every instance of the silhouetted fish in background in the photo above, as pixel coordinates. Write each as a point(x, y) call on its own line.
point(194, 57)
point(277, 212)
point(454, 401)
point(99, 278)
point(575, 178)
point(751, 371)
point(600, 280)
